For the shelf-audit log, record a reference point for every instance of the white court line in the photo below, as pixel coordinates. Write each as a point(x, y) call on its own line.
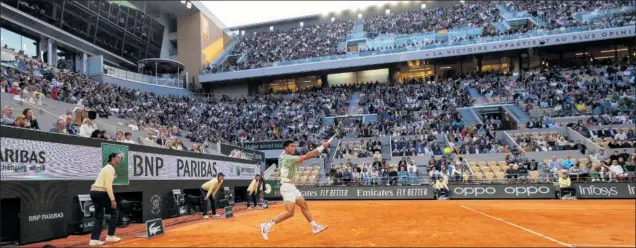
point(518, 226)
point(593, 245)
point(550, 208)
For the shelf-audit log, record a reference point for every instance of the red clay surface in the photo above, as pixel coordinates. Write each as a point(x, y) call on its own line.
point(528, 223)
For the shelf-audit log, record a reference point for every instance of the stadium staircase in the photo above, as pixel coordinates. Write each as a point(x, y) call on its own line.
point(359, 27)
point(508, 15)
point(519, 114)
point(353, 104)
point(502, 26)
point(442, 140)
point(227, 51)
point(479, 98)
point(386, 147)
point(469, 117)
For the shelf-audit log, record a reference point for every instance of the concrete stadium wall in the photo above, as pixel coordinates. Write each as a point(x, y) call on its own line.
point(238, 89)
point(592, 148)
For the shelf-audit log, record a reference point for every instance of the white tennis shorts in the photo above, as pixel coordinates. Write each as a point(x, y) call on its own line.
point(289, 192)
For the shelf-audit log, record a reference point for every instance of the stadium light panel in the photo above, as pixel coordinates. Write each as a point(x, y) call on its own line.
point(271, 28)
point(611, 51)
point(189, 5)
point(423, 6)
point(183, 2)
point(387, 12)
point(302, 24)
point(360, 15)
point(333, 19)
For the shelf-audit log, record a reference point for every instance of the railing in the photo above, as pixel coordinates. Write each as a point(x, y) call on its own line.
point(507, 14)
point(227, 51)
point(142, 78)
point(587, 16)
point(530, 34)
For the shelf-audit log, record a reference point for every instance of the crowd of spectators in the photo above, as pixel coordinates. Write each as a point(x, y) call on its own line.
point(557, 14)
point(589, 89)
point(359, 149)
point(618, 166)
point(263, 48)
point(460, 15)
point(451, 169)
point(611, 137)
point(243, 119)
point(475, 140)
point(415, 106)
point(423, 145)
point(547, 141)
point(351, 174)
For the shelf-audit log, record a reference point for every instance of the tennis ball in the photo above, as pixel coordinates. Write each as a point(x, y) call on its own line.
point(447, 150)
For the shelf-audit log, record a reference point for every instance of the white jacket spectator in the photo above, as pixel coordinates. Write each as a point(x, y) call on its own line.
point(616, 171)
point(620, 136)
point(87, 128)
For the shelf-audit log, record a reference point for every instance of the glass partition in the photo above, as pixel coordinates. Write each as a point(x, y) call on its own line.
point(165, 80)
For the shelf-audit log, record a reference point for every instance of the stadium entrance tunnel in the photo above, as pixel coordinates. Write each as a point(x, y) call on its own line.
point(10, 224)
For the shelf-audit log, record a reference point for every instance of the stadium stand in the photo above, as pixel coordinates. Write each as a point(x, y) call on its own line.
point(419, 114)
point(475, 21)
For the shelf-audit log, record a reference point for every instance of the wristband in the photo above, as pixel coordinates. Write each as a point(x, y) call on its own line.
point(320, 149)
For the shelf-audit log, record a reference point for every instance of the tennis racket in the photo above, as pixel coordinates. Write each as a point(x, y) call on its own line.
point(337, 133)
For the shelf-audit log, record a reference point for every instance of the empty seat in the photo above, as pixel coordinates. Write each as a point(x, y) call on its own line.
point(500, 175)
point(491, 163)
point(489, 176)
point(313, 180)
point(475, 169)
point(478, 176)
point(534, 175)
point(496, 169)
point(302, 180)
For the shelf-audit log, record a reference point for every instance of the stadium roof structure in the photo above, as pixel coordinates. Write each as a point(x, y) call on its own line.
point(176, 8)
point(273, 22)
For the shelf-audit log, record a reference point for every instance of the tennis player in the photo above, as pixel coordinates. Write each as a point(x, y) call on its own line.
point(291, 196)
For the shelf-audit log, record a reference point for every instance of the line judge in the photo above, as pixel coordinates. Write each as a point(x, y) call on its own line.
point(208, 191)
point(103, 198)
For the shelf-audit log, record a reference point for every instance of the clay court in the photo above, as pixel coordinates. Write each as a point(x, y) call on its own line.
point(528, 223)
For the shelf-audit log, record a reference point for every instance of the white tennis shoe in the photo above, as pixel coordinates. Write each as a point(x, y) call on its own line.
point(265, 231)
point(319, 228)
